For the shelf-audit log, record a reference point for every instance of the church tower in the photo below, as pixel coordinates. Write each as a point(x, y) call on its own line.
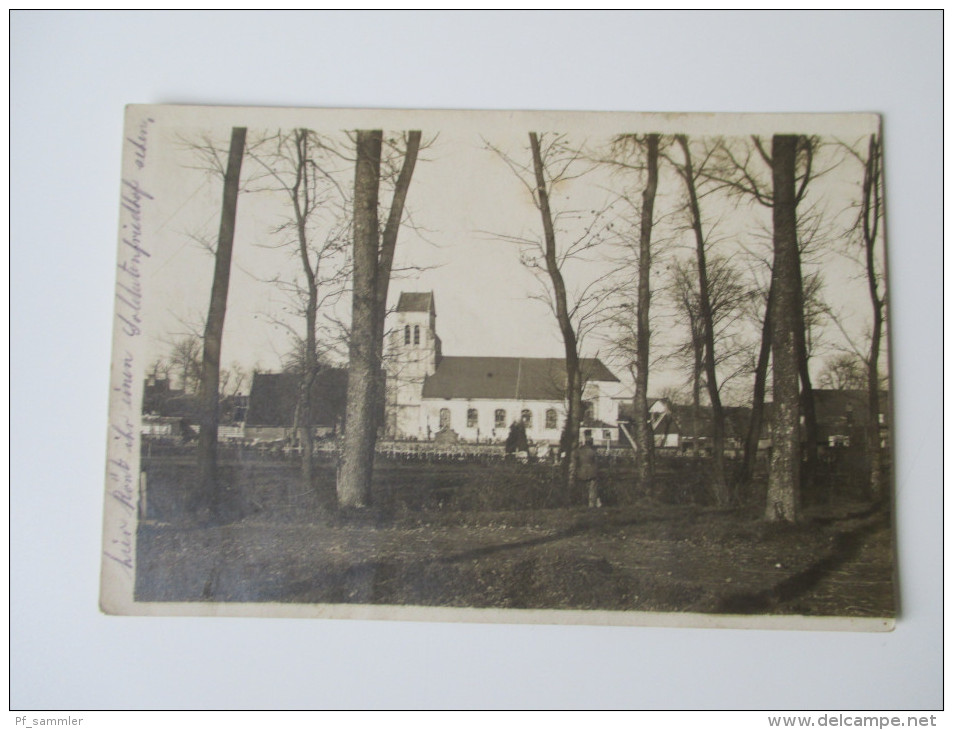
point(413, 353)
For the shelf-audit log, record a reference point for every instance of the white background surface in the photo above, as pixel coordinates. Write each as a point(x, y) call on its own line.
point(71, 75)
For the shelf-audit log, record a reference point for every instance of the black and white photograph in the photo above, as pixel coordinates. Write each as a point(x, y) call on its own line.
point(191, 528)
point(519, 367)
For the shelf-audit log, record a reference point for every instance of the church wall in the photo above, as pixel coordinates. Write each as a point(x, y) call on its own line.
point(605, 405)
point(485, 427)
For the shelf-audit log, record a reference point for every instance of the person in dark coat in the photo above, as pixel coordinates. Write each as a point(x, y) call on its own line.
point(516, 440)
point(587, 471)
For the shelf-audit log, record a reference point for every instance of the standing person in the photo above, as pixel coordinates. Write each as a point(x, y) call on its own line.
point(511, 439)
point(516, 441)
point(587, 471)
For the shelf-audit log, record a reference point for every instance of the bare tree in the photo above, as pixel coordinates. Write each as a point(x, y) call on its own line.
point(746, 168)
point(633, 324)
point(673, 394)
point(160, 367)
point(373, 257)
point(867, 228)
point(706, 327)
point(397, 170)
point(231, 381)
point(566, 326)
point(783, 499)
point(568, 237)
point(844, 371)
point(211, 356)
point(643, 426)
point(756, 419)
point(185, 360)
point(686, 299)
point(727, 298)
point(297, 162)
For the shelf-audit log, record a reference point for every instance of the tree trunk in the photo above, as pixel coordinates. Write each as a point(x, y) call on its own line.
point(784, 479)
point(753, 437)
point(807, 393)
point(385, 262)
point(306, 407)
point(373, 261)
point(871, 211)
point(696, 393)
point(211, 494)
point(356, 469)
point(645, 464)
point(302, 208)
point(573, 377)
point(719, 483)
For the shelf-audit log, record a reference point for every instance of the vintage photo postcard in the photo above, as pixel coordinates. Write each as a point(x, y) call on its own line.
point(501, 366)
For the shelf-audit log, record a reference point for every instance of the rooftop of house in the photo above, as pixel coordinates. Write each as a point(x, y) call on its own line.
point(274, 397)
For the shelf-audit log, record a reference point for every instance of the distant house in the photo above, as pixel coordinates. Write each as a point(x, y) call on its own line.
point(478, 398)
point(842, 417)
point(166, 427)
point(168, 412)
point(274, 398)
point(664, 429)
point(160, 399)
point(155, 394)
point(701, 427)
point(172, 413)
point(676, 426)
point(841, 421)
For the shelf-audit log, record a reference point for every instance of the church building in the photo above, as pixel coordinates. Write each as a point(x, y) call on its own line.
point(477, 398)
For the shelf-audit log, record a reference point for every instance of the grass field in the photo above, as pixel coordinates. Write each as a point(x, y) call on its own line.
point(506, 535)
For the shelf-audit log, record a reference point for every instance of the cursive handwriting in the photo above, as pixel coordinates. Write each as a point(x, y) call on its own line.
point(121, 550)
point(124, 388)
point(128, 278)
point(125, 434)
point(122, 482)
point(123, 465)
point(140, 143)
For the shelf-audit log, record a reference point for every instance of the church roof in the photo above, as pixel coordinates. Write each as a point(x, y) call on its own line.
point(411, 301)
point(506, 378)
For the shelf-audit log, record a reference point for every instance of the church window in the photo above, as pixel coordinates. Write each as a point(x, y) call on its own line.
point(527, 418)
point(444, 418)
point(407, 334)
point(472, 418)
point(499, 418)
point(551, 418)
point(416, 334)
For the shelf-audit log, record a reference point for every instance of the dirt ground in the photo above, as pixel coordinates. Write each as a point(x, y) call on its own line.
point(428, 548)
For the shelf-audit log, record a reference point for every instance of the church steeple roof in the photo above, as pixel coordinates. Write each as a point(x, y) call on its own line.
point(416, 302)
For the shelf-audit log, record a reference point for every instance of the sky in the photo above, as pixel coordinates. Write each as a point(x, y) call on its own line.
point(468, 209)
